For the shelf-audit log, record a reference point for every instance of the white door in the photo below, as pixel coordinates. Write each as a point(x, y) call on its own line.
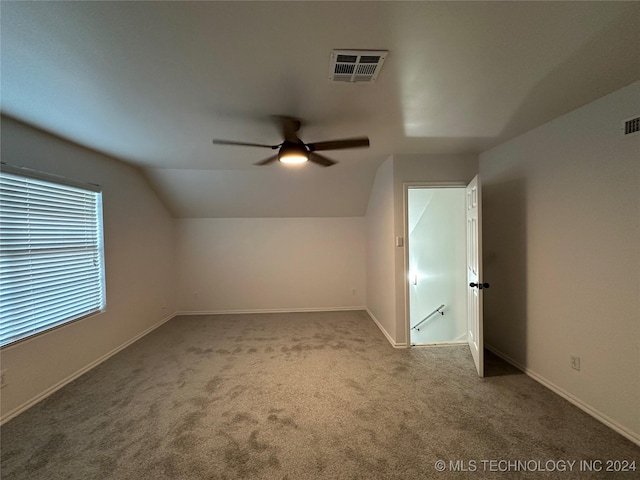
point(475, 286)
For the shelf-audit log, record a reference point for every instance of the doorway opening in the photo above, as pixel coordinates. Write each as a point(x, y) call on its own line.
point(437, 265)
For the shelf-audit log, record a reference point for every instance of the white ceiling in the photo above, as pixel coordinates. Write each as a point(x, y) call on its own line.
point(153, 82)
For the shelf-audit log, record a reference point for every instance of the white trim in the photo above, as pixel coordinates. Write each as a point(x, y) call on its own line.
point(49, 177)
point(601, 417)
point(269, 310)
point(41, 396)
point(440, 344)
point(406, 186)
point(445, 184)
point(393, 343)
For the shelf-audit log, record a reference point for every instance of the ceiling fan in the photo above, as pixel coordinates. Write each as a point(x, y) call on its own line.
point(294, 150)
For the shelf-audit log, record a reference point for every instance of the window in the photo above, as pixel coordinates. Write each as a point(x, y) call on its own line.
point(51, 252)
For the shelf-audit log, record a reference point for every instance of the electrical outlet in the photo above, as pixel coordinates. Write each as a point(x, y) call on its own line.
point(3, 378)
point(353, 292)
point(574, 361)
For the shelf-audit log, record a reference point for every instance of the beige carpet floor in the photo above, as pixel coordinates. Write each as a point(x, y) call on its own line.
point(301, 396)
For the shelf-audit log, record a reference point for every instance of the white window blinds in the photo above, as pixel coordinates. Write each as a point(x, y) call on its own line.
point(51, 253)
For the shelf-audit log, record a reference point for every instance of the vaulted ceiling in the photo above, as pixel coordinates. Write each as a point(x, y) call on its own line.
point(152, 83)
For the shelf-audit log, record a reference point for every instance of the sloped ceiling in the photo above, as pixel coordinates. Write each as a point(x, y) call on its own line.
point(152, 83)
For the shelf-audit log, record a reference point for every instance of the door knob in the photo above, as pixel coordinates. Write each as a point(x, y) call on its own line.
point(479, 285)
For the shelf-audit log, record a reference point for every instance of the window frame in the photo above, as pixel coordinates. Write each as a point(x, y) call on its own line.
point(98, 283)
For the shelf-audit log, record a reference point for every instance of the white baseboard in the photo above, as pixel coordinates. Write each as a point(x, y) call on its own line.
point(270, 310)
point(41, 396)
point(439, 344)
point(393, 343)
point(601, 417)
point(299, 310)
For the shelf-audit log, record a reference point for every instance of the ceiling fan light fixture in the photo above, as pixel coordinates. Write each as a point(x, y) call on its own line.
point(293, 154)
point(294, 151)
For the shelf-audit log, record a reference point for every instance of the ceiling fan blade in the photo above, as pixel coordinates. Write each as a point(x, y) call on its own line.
point(339, 144)
point(267, 161)
point(321, 160)
point(245, 144)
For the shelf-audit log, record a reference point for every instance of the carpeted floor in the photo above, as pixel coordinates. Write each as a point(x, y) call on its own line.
point(301, 396)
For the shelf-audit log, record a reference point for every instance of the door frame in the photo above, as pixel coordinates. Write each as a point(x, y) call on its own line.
point(405, 207)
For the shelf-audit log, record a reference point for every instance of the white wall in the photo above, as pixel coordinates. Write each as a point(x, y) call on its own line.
point(386, 272)
point(139, 243)
point(561, 251)
point(245, 264)
point(443, 169)
point(437, 258)
point(381, 298)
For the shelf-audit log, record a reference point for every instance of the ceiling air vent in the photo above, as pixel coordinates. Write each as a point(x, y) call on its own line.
point(356, 66)
point(632, 126)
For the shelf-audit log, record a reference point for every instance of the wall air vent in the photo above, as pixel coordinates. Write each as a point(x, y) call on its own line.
point(356, 66)
point(632, 126)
